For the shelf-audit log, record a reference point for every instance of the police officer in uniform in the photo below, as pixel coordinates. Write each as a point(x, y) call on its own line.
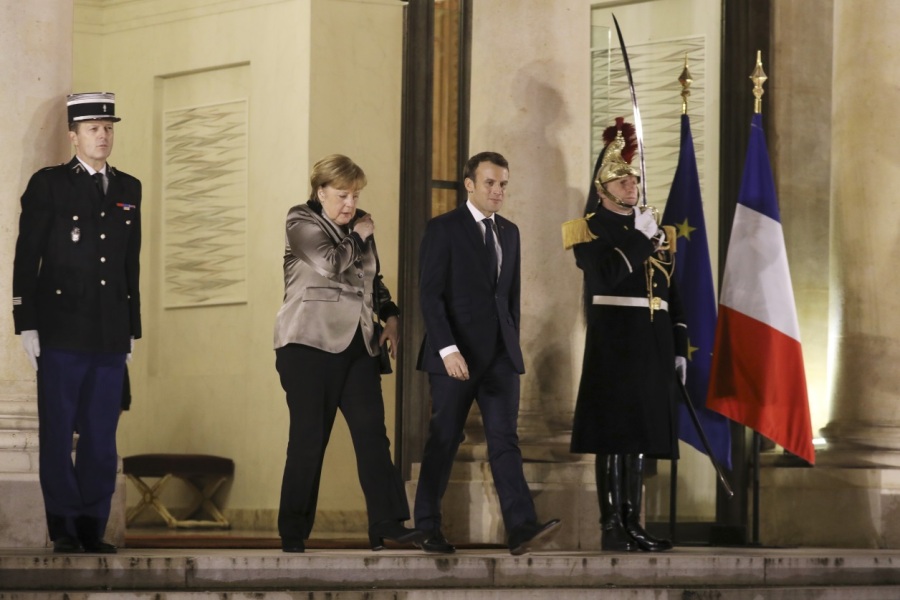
point(625, 409)
point(76, 306)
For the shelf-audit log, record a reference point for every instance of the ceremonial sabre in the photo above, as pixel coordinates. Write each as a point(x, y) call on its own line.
point(703, 438)
point(638, 125)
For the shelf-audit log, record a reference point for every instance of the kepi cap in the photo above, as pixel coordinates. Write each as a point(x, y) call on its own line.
point(91, 106)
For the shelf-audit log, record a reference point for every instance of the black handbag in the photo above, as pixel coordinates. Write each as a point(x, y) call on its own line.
point(384, 358)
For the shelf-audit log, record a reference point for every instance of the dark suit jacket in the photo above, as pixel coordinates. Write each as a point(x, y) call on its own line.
point(459, 303)
point(77, 264)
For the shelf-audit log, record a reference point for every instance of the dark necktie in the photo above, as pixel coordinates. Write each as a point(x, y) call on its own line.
point(98, 179)
point(490, 247)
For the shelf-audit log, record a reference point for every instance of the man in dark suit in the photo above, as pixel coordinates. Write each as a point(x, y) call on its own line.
point(469, 287)
point(76, 305)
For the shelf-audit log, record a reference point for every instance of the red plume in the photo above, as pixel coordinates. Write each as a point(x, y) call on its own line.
point(628, 132)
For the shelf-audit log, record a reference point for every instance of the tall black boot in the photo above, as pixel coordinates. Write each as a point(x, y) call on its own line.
point(613, 536)
point(631, 507)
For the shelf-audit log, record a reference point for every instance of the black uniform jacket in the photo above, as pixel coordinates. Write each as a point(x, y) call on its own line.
point(77, 265)
point(626, 395)
point(460, 303)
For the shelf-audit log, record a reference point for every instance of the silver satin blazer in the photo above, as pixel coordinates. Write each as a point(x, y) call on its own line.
point(328, 283)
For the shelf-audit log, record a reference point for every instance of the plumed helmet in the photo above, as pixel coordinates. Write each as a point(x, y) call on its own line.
point(621, 146)
point(614, 161)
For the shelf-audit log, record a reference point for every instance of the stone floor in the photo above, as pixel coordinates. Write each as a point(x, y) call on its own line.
point(342, 574)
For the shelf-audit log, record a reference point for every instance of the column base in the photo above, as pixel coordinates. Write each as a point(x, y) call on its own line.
point(830, 506)
point(567, 491)
point(23, 523)
point(22, 520)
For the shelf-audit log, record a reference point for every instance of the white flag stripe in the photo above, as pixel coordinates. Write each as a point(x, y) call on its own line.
point(757, 280)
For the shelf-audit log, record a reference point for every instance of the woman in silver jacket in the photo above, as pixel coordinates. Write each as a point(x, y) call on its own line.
point(327, 354)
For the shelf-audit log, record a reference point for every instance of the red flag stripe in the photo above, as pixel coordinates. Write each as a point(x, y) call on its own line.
point(758, 380)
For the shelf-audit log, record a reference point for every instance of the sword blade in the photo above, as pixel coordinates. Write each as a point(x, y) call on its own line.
point(638, 124)
point(703, 439)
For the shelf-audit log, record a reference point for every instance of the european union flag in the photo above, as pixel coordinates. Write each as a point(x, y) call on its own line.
point(693, 276)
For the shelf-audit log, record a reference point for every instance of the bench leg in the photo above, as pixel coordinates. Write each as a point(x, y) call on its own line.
point(150, 498)
point(203, 499)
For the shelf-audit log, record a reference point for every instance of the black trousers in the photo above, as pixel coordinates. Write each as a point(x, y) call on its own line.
point(496, 389)
point(317, 384)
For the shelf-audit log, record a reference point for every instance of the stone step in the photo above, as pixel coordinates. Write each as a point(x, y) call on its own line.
point(18, 423)
point(792, 573)
point(700, 593)
point(18, 461)
point(19, 439)
point(18, 405)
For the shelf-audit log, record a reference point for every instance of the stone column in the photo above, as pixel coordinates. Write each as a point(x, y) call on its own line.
point(856, 482)
point(36, 59)
point(36, 62)
point(865, 423)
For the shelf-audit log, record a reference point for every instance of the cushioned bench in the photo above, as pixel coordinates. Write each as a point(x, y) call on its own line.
point(203, 474)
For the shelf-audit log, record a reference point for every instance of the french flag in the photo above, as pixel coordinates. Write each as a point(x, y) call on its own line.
point(757, 375)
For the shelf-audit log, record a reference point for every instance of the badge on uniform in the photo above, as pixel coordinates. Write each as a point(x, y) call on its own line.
point(124, 206)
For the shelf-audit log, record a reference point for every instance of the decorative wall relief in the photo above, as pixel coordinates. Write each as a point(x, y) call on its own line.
point(655, 68)
point(205, 204)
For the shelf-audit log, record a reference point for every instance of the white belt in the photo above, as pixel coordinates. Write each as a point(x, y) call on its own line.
point(658, 303)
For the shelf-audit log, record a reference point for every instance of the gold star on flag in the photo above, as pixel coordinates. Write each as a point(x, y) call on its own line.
point(684, 230)
point(691, 350)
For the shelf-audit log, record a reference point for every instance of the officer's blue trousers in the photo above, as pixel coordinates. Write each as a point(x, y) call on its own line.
point(78, 392)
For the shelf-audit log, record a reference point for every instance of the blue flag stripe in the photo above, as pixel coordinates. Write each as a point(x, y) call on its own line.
point(757, 185)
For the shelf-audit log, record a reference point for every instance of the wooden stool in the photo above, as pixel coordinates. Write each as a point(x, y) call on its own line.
point(203, 474)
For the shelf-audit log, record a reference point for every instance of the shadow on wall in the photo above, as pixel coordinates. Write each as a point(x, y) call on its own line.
point(541, 200)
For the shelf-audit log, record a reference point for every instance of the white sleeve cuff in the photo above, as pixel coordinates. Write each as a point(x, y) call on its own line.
point(448, 350)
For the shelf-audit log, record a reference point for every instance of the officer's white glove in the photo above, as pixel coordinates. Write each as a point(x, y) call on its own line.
point(645, 222)
point(681, 368)
point(32, 346)
point(130, 352)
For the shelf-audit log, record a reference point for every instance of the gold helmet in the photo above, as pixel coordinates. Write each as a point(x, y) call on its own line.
point(617, 156)
point(614, 162)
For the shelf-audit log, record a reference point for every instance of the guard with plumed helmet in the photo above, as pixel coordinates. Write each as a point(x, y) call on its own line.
point(636, 340)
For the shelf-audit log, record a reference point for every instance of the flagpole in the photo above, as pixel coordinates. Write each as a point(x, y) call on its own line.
point(758, 77)
point(685, 80)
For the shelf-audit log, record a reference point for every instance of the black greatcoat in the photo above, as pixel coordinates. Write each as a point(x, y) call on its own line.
point(626, 398)
point(76, 271)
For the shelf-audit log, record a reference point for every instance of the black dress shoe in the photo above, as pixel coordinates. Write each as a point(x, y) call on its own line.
point(292, 546)
point(66, 545)
point(524, 536)
point(393, 531)
point(99, 547)
point(435, 543)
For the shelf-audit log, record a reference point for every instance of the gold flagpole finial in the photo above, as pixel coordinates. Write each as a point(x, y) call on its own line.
point(685, 80)
point(758, 77)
